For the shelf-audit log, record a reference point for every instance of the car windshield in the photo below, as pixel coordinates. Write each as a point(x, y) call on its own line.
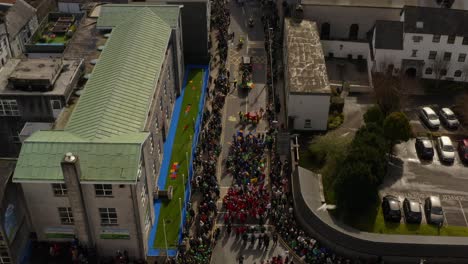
point(451, 117)
point(427, 144)
point(432, 116)
point(437, 210)
point(448, 148)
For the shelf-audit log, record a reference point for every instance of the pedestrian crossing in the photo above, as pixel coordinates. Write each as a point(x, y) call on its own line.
point(236, 59)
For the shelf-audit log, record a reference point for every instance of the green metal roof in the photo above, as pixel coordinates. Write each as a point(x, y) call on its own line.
point(105, 129)
point(117, 97)
point(100, 160)
point(113, 14)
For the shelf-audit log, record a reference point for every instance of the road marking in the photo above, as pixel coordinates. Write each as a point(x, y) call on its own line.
point(232, 119)
point(463, 212)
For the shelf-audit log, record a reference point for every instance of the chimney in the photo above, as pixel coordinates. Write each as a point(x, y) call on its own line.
point(72, 174)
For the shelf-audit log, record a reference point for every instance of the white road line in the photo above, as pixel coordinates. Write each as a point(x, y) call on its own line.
point(463, 212)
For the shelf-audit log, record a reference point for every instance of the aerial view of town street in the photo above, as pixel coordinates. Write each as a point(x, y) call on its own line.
point(233, 131)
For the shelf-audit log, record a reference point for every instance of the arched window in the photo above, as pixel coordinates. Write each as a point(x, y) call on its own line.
point(353, 31)
point(458, 73)
point(325, 31)
point(428, 70)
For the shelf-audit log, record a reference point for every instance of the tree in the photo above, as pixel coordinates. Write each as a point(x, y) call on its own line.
point(374, 115)
point(396, 128)
point(440, 67)
point(387, 93)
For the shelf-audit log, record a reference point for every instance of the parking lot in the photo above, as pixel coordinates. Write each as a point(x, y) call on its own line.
point(409, 177)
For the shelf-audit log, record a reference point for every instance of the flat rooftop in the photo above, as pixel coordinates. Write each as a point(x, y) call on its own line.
point(307, 72)
point(363, 3)
point(37, 69)
point(61, 85)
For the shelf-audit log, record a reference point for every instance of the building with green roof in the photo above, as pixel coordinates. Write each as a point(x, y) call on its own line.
point(95, 178)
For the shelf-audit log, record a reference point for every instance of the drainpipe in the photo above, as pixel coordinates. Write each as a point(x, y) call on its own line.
point(136, 215)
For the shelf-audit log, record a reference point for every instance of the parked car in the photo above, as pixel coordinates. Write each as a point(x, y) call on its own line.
point(391, 208)
point(433, 210)
point(424, 148)
point(463, 150)
point(448, 118)
point(412, 210)
point(445, 149)
point(429, 117)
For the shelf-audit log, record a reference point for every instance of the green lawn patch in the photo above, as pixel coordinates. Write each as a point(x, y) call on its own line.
point(373, 221)
point(170, 210)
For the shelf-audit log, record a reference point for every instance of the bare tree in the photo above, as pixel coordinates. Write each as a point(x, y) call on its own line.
point(440, 67)
point(387, 92)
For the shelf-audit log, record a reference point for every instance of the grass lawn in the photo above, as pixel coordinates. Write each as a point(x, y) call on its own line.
point(373, 221)
point(170, 211)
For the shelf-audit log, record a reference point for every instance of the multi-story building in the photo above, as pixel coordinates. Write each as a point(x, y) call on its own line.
point(35, 91)
point(95, 178)
point(15, 226)
point(5, 52)
point(21, 23)
point(427, 42)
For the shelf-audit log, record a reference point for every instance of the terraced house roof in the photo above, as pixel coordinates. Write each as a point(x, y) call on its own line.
point(113, 14)
point(106, 129)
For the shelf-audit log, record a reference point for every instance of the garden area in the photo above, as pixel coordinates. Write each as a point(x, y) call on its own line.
point(177, 175)
point(55, 31)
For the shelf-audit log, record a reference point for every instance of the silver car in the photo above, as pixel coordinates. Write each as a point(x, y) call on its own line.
point(429, 117)
point(448, 118)
point(445, 149)
point(434, 211)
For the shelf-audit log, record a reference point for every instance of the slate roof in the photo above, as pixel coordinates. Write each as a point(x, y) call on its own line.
point(18, 16)
point(105, 129)
point(113, 14)
point(307, 72)
point(389, 35)
point(437, 21)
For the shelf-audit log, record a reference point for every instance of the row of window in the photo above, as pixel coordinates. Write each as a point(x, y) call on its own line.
point(9, 108)
point(436, 39)
point(447, 56)
point(4, 256)
point(108, 216)
point(443, 72)
point(60, 189)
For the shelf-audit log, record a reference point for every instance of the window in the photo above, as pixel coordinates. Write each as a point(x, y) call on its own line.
point(461, 57)
point(417, 39)
point(447, 56)
point(167, 112)
point(353, 31)
point(436, 38)
point(160, 103)
point(154, 169)
point(156, 123)
point(457, 73)
point(103, 189)
point(428, 71)
point(307, 123)
point(151, 145)
point(147, 220)
point(9, 108)
point(4, 256)
point(165, 88)
point(432, 55)
point(168, 74)
point(66, 215)
point(140, 170)
point(56, 104)
point(414, 53)
point(108, 216)
point(451, 39)
point(143, 195)
point(443, 72)
point(59, 189)
point(325, 31)
point(465, 41)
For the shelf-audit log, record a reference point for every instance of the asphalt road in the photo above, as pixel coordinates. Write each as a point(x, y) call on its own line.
point(228, 248)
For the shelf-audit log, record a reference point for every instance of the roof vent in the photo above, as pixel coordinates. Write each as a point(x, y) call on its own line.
point(419, 24)
point(69, 157)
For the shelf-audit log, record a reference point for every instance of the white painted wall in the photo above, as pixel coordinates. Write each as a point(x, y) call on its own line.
point(342, 17)
point(309, 106)
point(341, 49)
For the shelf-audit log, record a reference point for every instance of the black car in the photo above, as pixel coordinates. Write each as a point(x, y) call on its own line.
point(391, 208)
point(424, 148)
point(412, 210)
